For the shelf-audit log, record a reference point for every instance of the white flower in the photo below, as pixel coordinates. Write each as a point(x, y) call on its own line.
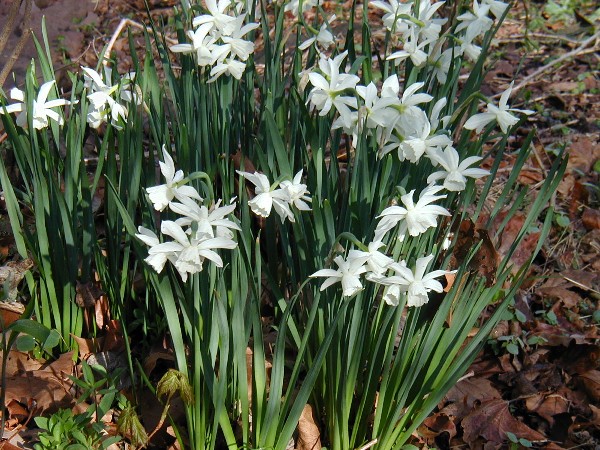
point(348, 273)
point(211, 222)
point(328, 89)
point(416, 145)
point(190, 251)
point(378, 262)
point(265, 199)
point(203, 44)
point(412, 49)
point(498, 113)
point(103, 97)
point(475, 23)
point(235, 44)
point(296, 192)
point(162, 195)
point(42, 109)
point(393, 10)
point(293, 5)
point(161, 253)
point(323, 37)
point(219, 20)
point(416, 285)
point(454, 172)
point(231, 67)
point(416, 218)
point(496, 7)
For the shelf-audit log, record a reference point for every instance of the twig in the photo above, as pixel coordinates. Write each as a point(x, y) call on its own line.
point(19, 47)
point(368, 445)
point(132, 23)
point(8, 26)
point(579, 50)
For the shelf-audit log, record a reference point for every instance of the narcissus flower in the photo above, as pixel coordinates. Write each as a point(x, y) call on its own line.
point(266, 198)
point(42, 108)
point(416, 218)
point(211, 222)
point(348, 272)
point(162, 195)
point(297, 193)
point(455, 171)
point(500, 114)
point(416, 285)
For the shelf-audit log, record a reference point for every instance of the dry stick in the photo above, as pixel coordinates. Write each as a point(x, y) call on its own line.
point(14, 9)
point(19, 47)
point(118, 30)
point(368, 445)
point(579, 50)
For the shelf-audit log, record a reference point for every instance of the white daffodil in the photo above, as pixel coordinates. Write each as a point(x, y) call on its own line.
point(378, 262)
point(159, 253)
point(500, 113)
point(266, 199)
point(211, 222)
point(455, 171)
point(496, 7)
point(190, 252)
point(220, 21)
point(231, 67)
point(412, 49)
point(103, 97)
point(415, 146)
point(323, 37)
point(415, 284)
point(296, 192)
point(293, 5)
point(348, 273)
point(234, 43)
point(475, 23)
point(42, 109)
point(416, 218)
point(162, 195)
point(393, 10)
point(328, 89)
point(203, 45)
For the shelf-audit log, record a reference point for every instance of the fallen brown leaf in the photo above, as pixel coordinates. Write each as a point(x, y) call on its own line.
point(591, 219)
point(591, 384)
point(309, 437)
point(547, 405)
point(492, 420)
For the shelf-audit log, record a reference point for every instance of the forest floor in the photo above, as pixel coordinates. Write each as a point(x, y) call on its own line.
point(539, 376)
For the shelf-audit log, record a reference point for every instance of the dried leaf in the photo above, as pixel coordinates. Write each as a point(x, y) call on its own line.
point(87, 294)
point(591, 219)
point(11, 276)
point(591, 384)
point(485, 261)
point(309, 437)
point(436, 425)
point(547, 405)
point(492, 420)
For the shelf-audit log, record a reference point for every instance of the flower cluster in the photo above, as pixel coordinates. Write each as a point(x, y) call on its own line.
point(196, 234)
point(218, 39)
point(108, 100)
point(290, 193)
point(42, 110)
point(395, 118)
point(374, 265)
point(414, 218)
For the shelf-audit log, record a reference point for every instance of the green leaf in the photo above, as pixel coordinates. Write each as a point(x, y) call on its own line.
point(562, 220)
point(25, 343)
point(512, 348)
